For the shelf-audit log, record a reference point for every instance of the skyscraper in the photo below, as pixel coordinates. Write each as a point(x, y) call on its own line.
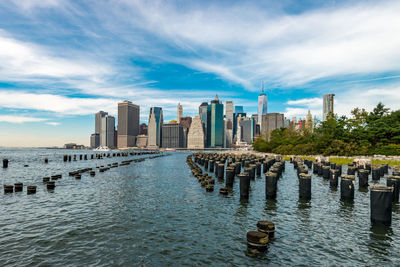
point(216, 120)
point(328, 105)
point(272, 121)
point(172, 135)
point(230, 119)
point(154, 129)
point(196, 134)
point(128, 124)
point(204, 114)
point(179, 113)
point(262, 106)
point(97, 125)
point(107, 131)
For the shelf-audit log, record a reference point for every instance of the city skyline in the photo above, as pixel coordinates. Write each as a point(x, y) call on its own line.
point(57, 69)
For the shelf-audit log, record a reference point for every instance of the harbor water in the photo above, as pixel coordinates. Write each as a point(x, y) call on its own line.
point(155, 213)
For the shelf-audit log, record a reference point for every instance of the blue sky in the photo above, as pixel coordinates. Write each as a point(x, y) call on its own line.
point(61, 61)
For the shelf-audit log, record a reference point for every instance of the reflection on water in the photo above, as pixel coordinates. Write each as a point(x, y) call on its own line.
point(155, 213)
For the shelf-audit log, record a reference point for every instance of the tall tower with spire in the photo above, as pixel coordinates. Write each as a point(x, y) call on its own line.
point(262, 106)
point(179, 113)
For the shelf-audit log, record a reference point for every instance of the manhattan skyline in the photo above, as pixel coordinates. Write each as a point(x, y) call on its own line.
point(63, 61)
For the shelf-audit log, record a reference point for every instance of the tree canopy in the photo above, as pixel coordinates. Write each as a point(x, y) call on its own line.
point(362, 133)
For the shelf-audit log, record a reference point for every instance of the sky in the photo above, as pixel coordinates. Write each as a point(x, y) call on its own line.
point(61, 61)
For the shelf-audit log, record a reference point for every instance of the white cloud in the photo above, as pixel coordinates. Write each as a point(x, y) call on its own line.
point(19, 119)
point(53, 123)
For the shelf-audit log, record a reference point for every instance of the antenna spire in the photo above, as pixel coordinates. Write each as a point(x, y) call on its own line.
point(262, 86)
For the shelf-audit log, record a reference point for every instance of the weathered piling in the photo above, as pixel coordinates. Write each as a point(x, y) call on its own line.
point(230, 175)
point(325, 172)
point(266, 227)
point(51, 185)
point(376, 174)
point(394, 181)
point(258, 168)
point(65, 158)
point(46, 179)
point(333, 178)
point(381, 205)
point(5, 163)
point(305, 186)
point(351, 170)
point(31, 189)
point(347, 187)
point(220, 173)
point(8, 188)
point(271, 180)
point(362, 178)
point(18, 187)
point(46, 160)
point(257, 240)
point(244, 185)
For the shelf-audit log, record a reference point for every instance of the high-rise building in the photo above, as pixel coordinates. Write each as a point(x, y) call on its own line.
point(272, 121)
point(247, 130)
point(98, 116)
point(107, 131)
point(186, 122)
point(328, 105)
point(95, 140)
point(204, 117)
point(154, 129)
point(172, 135)
point(309, 122)
point(179, 113)
point(215, 123)
point(128, 124)
point(230, 120)
point(262, 106)
point(196, 134)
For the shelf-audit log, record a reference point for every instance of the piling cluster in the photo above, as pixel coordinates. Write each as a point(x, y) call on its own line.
point(257, 241)
point(381, 197)
point(50, 181)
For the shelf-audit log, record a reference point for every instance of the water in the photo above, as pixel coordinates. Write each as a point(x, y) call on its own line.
point(155, 213)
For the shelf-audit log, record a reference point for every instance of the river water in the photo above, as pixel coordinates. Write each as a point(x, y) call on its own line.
point(155, 213)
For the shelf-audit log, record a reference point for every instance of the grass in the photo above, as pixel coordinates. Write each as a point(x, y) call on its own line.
point(345, 161)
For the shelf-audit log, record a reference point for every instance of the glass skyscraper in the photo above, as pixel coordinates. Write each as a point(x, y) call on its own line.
point(216, 123)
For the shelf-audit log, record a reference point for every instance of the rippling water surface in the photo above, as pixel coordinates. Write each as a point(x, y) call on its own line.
point(155, 213)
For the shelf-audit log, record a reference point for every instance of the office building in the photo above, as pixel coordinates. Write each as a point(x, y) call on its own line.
point(154, 127)
point(141, 141)
point(247, 126)
point(230, 119)
point(179, 113)
point(98, 116)
point(94, 140)
point(328, 105)
point(204, 115)
point(186, 122)
point(172, 135)
point(272, 121)
point(196, 134)
point(215, 124)
point(128, 124)
point(262, 107)
point(107, 131)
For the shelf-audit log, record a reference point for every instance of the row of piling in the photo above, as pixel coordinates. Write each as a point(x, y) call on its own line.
point(381, 197)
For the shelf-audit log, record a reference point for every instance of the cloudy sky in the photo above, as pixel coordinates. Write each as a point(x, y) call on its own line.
point(61, 61)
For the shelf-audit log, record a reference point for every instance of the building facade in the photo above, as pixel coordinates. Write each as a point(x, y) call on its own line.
point(272, 121)
point(215, 124)
point(128, 124)
point(328, 105)
point(196, 134)
point(309, 122)
point(262, 108)
point(95, 140)
point(107, 131)
point(172, 135)
point(154, 127)
point(97, 123)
